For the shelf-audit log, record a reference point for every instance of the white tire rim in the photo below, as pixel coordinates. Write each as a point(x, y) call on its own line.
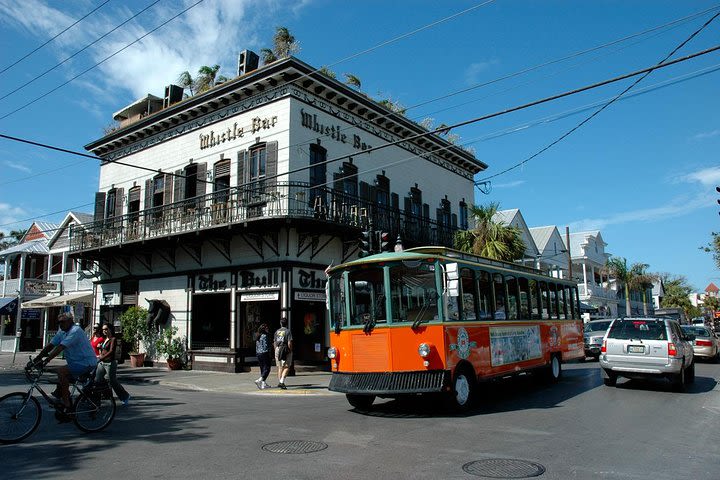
point(462, 389)
point(555, 367)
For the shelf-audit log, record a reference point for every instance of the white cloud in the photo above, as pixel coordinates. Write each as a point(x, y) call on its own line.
point(10, 215)
point(473, 71)
point(514, 184)
point(210, 33)
point(17, 166)
point(678, 207)
point(707, 176)
point(704, 135)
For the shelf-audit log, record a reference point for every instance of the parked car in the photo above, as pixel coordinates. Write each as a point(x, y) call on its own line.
point(647, 348)
point(594, 332)
point(705, 344)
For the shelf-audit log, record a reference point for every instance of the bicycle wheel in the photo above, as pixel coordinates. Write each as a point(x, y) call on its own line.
point(20, 416)
point(94, 411)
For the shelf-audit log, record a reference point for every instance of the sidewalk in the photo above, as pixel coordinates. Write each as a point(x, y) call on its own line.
point(303, 383)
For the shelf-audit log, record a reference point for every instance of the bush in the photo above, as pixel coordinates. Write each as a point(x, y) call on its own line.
point(135, 328)
point(170, 346)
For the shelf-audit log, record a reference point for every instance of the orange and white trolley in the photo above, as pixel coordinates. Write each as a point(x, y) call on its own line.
point(436, 320)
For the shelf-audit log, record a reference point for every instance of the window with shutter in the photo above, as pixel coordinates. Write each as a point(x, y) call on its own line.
point(318, 175)
point(221, 181)
point(99, 213)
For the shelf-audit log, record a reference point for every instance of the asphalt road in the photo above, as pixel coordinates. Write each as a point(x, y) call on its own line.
point(577, 429)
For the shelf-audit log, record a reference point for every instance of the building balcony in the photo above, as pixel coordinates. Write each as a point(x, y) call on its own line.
point(242, 206)
point(596, 291)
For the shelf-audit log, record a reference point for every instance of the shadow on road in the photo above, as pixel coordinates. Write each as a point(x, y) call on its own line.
point(522, 392)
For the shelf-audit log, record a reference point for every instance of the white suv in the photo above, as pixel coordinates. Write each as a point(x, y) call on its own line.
point(647, 347)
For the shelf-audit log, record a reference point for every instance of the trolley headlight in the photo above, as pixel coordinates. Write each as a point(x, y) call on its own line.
point(332, 352)
point(424, 350)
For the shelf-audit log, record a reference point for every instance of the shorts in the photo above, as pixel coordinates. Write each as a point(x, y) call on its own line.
point(284, 363)
point(78, 371)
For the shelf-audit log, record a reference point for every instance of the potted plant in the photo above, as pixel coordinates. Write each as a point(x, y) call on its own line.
point(135, 329)
point(171, 347)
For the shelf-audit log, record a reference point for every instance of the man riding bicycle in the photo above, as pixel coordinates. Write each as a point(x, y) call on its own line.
point(79, 355)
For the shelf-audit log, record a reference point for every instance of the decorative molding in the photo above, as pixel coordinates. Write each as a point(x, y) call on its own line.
point(270, 96)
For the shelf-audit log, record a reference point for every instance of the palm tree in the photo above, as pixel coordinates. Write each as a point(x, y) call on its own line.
point(187, 82)
point(642, 280)
point(617, 268)
point(489, 238)
point(352, 80)
point(268, 56)
point(327, 72)
point(284, 45)
point(206, 78)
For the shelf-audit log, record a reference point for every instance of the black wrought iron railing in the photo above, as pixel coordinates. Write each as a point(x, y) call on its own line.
point(268, 201)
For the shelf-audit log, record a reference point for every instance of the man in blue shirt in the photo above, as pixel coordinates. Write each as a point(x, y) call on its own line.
point(79, 355)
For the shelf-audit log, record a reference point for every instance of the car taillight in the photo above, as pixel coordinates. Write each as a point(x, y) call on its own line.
point(672, 351)
point(703, 343)
point(603, 349)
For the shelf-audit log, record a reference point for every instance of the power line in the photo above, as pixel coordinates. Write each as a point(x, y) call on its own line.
point(648, 89)
point(78, 52)
point(22, 107)
point(53, 38)
point(416, 136)
point(613, 100)
point(517, 73)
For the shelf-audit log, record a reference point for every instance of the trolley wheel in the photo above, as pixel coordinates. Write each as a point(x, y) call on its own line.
point(553, 372)
point(94, 411)
point(464, 389)
point(20, 416)
point(361, 402)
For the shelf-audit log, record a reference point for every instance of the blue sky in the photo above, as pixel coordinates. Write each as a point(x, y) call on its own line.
point(643, 171)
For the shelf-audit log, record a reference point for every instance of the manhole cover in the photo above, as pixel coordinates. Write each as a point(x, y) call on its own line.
point(504, 468)
point(294, 446)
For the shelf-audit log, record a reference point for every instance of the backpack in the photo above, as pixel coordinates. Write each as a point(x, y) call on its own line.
point(281, 344)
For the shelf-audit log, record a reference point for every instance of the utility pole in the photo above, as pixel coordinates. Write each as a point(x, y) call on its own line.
point(567, 240)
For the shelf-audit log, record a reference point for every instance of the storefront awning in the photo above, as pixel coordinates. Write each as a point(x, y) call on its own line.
point(42, 302)
point(8, 305)
point(59, 300)
point(584, 307)
point(76, 297)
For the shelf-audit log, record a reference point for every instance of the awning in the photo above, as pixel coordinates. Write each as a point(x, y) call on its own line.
point(8, 305)
point(42, 302)
point(584, 307)
point(76, 297)
point(59, 300)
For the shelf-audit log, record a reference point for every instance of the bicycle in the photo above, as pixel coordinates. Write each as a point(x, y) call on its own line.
point(93, 406)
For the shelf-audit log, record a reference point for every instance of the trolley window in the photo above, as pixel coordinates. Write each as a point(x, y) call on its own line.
point(367, 296)
point(513, 300)
point(500, 300)
point(413, 292)
point(337, 300)
point(485, 295)
point(469, 294)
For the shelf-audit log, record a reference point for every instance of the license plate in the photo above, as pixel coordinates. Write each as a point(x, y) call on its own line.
point(636, 349)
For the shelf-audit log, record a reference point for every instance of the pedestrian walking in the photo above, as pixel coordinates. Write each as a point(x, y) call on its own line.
point(107, 368)
point(96, 339)
point(283, 351)
point(262, 350)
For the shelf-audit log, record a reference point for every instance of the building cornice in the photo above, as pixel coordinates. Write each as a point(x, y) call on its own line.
point(279, 79)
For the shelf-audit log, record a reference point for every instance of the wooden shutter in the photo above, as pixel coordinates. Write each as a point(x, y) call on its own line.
point(454, 221)
point(271, 163)
point(119, 192)
point(395, 201)
point(241, 168)
point(222, 168)
point(148, 194)
point(201, 179)
point(179, 185)
point(168, 192)
point(99, 213)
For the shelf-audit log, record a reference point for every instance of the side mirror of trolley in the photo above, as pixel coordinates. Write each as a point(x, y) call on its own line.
point(452, 283)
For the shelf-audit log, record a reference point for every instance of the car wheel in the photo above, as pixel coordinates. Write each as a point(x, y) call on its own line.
point(610, 380)
point(554, 370)
point(690, 376)
point(679, 380)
